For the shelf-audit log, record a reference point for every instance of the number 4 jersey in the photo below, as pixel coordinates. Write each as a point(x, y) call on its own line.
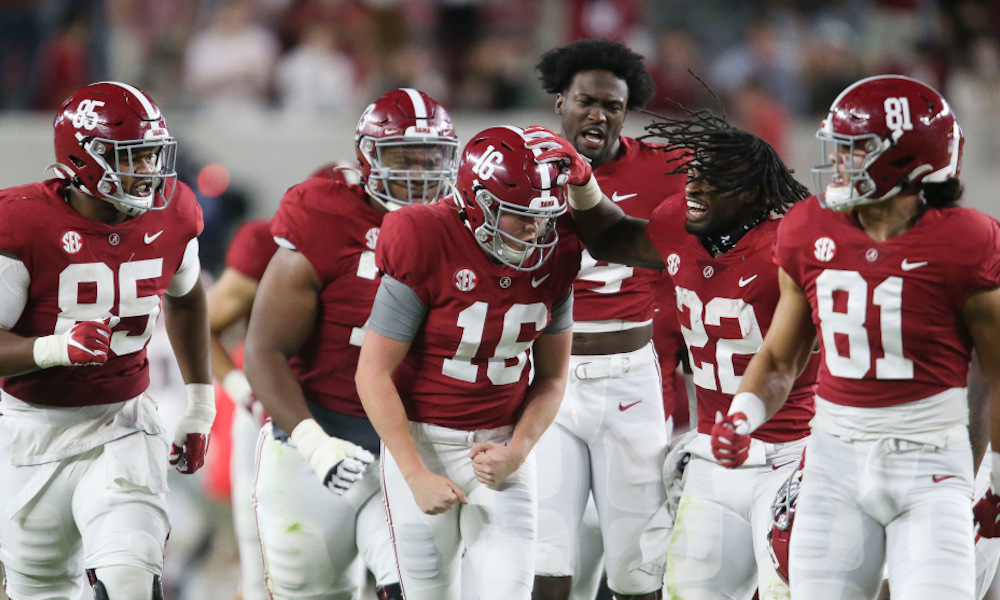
point(80, 269)
point(889, 313)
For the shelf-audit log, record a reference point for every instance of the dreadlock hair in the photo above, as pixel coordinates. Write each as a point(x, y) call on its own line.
point(728, 159)
point(558, 66)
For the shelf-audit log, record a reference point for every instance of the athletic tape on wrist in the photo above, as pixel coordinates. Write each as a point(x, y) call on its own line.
point(752, 406)
point(587, 196)
point(51, 351)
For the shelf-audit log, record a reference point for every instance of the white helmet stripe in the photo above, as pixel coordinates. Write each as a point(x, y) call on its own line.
point(544, 173)
point(419, 107)
point(147, 105)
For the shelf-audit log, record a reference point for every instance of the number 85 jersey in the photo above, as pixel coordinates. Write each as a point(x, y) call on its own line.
point(79, 269)
point(889, 313)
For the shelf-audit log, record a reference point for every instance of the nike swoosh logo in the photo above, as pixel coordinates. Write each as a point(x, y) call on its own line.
point(784, 464)
point(622, 406)
point(537, 282)
point(940, 478)
point(909, 266)
point(149, 239)
point(744, 282)
point(616, 197)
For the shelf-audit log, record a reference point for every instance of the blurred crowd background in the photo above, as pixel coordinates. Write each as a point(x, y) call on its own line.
point(262, 92)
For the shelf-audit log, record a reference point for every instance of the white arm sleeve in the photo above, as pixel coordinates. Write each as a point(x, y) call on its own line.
point(14, 282)
point(187, 274)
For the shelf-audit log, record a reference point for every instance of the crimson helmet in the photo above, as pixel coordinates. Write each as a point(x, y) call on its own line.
point(782, 517)
point(906, 132)
point(427, 160)
point(498, 176)
point(101, 132)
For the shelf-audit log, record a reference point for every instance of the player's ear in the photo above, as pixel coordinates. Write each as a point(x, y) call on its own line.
point(559, 103)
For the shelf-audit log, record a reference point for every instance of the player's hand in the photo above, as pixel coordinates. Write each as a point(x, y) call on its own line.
point(576, 169)
point(338, 463)
point(676, 461)
point(239, 391)
point(191, 438)
point(730, 439)
point(986, 514)
point(435, 494)
point(493, 463)
point(85, 344)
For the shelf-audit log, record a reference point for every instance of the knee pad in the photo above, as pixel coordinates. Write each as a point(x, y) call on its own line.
point(126, 578)
point(392, 591)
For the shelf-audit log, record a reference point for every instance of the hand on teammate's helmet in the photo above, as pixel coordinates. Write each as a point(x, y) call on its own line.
point(730, 439)
point(576, 169)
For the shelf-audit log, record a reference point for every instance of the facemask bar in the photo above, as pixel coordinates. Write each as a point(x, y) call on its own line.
point(422, 186)
point(860, 185)
point(124, 161)
point(503, 245)
point(781, 508)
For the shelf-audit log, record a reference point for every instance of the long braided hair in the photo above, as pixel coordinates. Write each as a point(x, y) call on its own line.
point(728, 159)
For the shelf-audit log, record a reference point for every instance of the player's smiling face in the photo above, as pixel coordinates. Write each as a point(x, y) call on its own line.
point(593, 112)
point(708, 211)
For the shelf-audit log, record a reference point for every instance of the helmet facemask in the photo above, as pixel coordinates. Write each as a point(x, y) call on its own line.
point(841, 187)
point(119, 160)
point(511, 251)
point(410, 171)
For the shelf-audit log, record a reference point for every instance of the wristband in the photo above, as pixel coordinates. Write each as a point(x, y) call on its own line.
point(308, 436)
point(587, 196)
point(752, 406)
point(201, 402)
point(51, 351)
point(237, 387)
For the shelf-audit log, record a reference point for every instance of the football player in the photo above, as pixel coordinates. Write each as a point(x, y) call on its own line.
point(230, 300)
point(87, 261)
point(471, 291)
point(613, 412)
point(715, 243)
point(303, 341)
point(898, 284)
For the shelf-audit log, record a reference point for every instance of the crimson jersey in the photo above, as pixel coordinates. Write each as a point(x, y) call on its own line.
point(636, 180)
point(81, 270)
point(669, 343)
point(251, 249)
point(335, 229)
point(468, 366)
point(725, 305)
point(889, 313)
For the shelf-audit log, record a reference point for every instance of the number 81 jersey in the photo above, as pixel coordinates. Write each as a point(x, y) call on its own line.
point(81, 269)
point(889, 313)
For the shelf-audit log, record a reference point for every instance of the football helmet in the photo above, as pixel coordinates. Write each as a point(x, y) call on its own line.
point(405, 140)
point(887, 132)
point(782, 517)
point(498, 176)
point(110, 130)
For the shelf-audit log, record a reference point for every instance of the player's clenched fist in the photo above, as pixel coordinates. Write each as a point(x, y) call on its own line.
point(435, 494)
point(86, 343)
point(553, 148)
point(731, 439)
